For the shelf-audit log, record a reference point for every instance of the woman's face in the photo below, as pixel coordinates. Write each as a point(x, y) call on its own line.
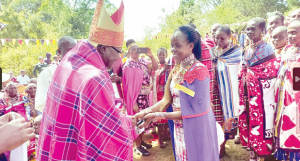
point(180, 47)
point(253, 31)
point(31, 90)
point(222, 39)
point(133, 51)
point(12, 90)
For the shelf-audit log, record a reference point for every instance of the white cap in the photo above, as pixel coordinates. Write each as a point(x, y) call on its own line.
point(5, 77)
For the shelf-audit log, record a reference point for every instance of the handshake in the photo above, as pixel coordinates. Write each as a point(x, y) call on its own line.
point(142, 119)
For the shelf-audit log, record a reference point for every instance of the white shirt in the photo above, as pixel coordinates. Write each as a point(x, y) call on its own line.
point(43, 83)
point(23, 80)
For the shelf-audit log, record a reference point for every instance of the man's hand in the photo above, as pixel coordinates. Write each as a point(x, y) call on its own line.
point(123, 110)
point(14, 134)
point(115, 78)
point(133, 121)
point(37, 124)
point(148, 118)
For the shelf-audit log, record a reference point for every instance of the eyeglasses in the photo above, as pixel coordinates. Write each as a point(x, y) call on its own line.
point(116, 49)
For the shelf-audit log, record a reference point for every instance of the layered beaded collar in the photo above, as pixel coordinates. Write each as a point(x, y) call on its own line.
point(219, 51)
point(186, 61)
point(254, 45)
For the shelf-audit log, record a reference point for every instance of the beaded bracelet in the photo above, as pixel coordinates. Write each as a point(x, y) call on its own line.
point(147, 111)
point(160, 115)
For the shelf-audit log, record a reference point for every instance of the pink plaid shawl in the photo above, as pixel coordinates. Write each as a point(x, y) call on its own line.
point(80, 121)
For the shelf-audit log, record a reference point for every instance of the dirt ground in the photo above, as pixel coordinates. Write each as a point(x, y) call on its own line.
point(233, 152)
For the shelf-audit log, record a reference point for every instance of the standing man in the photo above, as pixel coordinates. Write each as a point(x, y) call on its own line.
point(211, 41)
point(23, 79)
point(48, 60)
point(80, 121)
point(65, 44)
point(39, 66)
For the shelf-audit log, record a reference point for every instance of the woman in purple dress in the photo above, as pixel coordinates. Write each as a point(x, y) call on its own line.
point(188, 91)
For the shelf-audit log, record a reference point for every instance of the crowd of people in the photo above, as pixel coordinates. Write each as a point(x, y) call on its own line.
point(90, 103)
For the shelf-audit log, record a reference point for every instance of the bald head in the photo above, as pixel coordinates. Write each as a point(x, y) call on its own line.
point(33, 80)
point(294, 33)
point(279, 30)
point(295, 24)
point(279, 37)
point(65, 44)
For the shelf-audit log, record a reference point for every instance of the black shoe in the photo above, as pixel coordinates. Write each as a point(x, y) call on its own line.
point(147, 146)
point(141, 151)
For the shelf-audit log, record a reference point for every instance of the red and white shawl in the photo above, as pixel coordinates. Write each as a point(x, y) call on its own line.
point(256, 121)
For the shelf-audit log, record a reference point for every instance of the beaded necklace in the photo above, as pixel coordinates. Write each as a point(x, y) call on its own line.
point(219, 51)
point(278, 51)
point(294, 56)
point(254, 48)
point(33, 112)
point(178, 75)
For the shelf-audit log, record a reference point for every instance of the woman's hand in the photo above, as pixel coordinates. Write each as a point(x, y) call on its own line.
point(136, 108)
point(139, 115)
point(149, 53)
point(148, 118)
point(212, 107)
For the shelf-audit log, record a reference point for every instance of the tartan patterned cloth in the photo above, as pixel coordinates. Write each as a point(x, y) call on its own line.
point(80, 121)
point(207, 60)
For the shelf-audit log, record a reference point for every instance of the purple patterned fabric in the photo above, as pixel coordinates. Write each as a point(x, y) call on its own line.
point(200, 131)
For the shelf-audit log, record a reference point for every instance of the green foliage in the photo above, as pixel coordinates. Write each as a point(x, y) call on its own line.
point(42, 19)
point(293, 4)
point(23, 57)
point(52, 19)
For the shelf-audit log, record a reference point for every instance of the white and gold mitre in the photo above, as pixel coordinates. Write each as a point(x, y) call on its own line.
point(107, 30)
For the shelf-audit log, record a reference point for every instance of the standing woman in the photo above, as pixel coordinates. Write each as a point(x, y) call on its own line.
point(226, 58)
point(187, 90)
point(136, 86)
point(32, 113)
point(29, 101)
point(257, 76)
point(159, 83)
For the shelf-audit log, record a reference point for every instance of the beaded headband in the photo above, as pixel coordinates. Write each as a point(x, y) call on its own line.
point(131, 45)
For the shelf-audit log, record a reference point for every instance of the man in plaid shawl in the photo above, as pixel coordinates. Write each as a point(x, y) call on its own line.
point(80, 121)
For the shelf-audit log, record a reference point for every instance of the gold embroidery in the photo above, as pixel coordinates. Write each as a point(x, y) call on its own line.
point(184, 89)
